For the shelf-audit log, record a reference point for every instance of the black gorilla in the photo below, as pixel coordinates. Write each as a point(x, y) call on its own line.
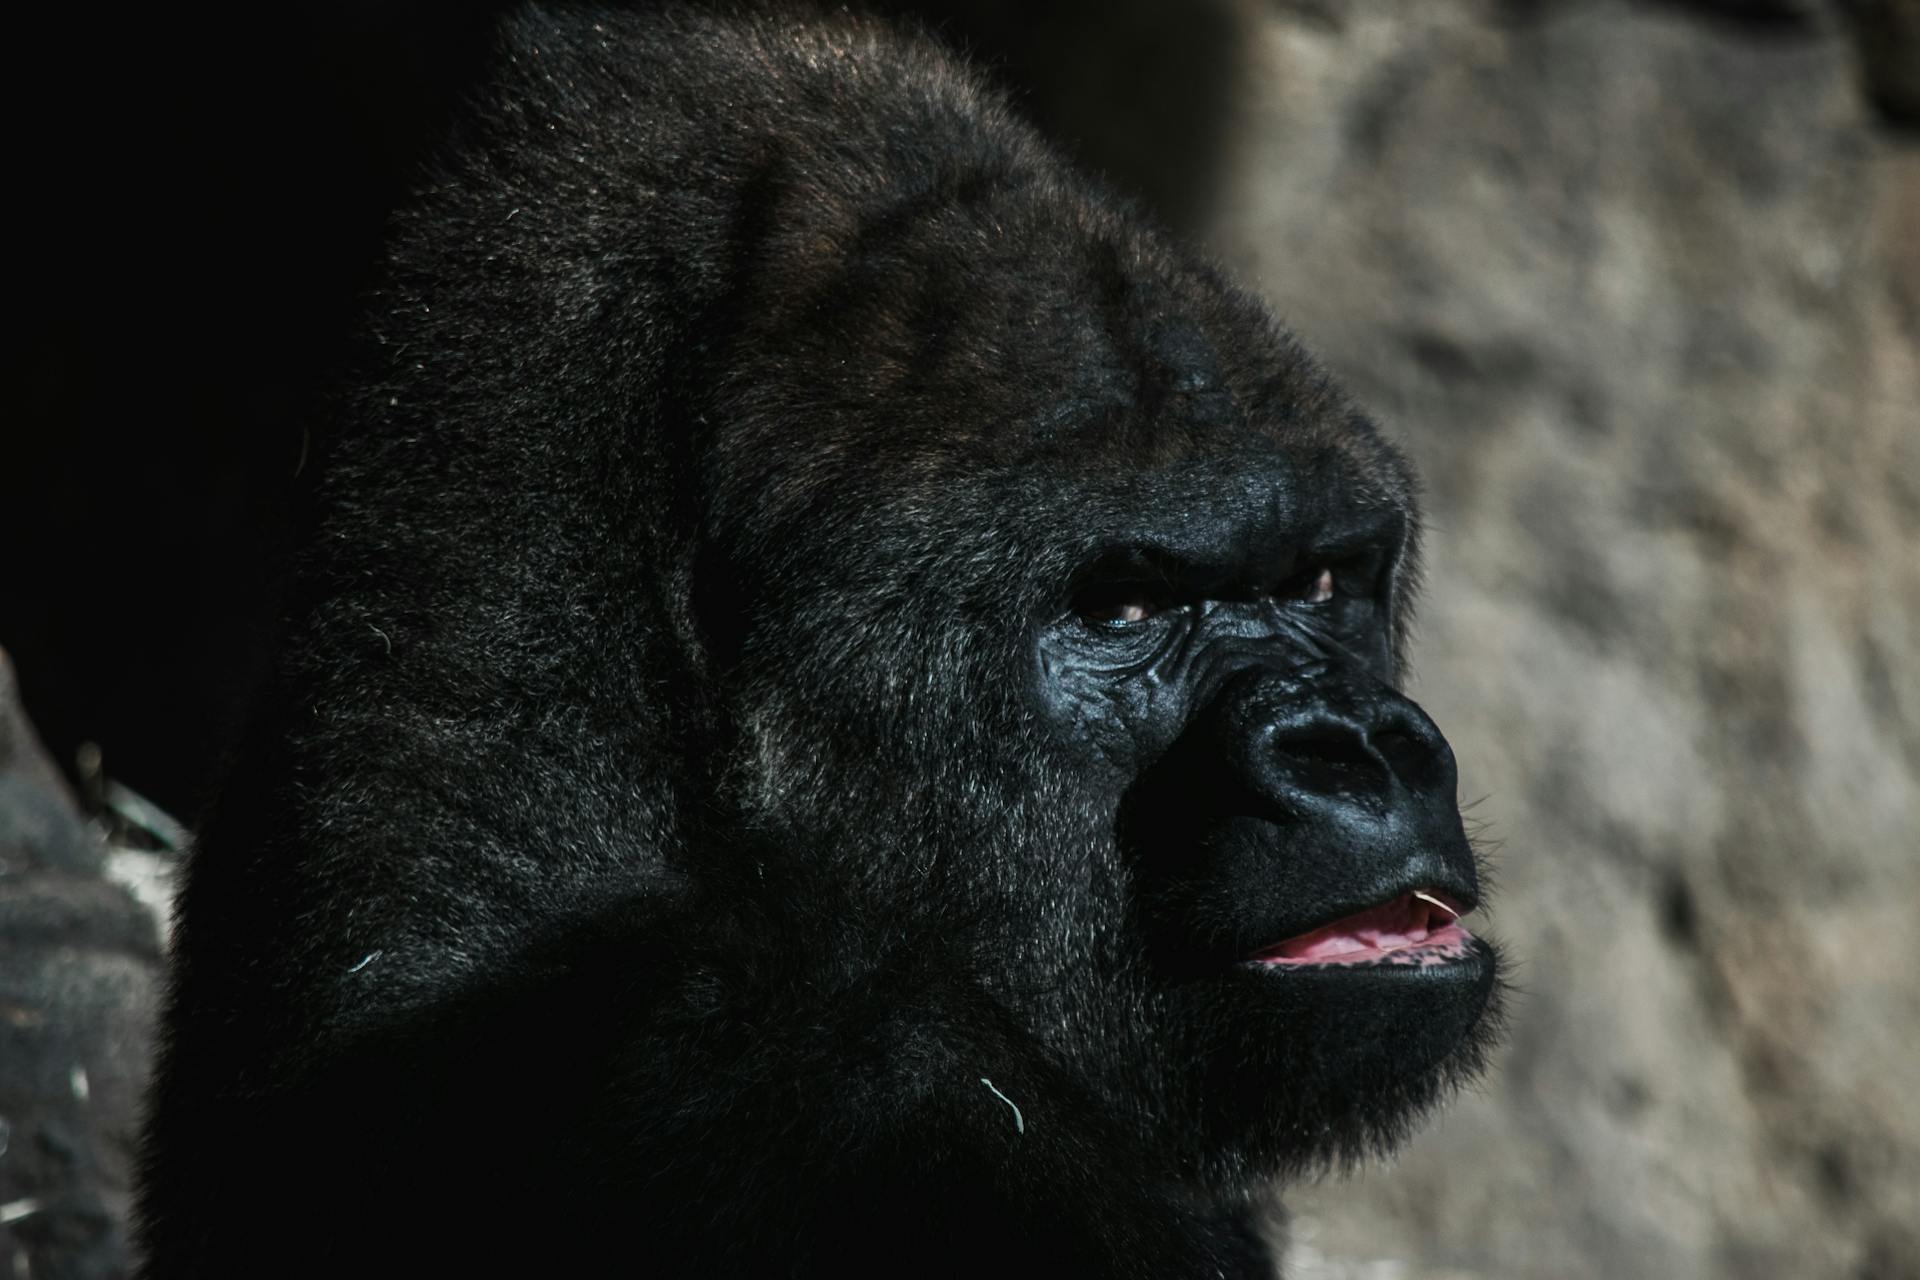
point(838, 715)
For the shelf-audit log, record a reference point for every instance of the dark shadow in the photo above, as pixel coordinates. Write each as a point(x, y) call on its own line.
point(202, 195)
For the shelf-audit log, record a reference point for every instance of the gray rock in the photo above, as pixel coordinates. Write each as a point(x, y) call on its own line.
point(1640, 290)
point(79, 981)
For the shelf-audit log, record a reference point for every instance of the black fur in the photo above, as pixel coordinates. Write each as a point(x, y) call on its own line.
point(706, 819)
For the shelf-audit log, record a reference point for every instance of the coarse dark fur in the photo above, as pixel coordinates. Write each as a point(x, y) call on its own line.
point(797, 707)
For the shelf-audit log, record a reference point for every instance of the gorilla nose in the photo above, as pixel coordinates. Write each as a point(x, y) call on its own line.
point(1377, 745)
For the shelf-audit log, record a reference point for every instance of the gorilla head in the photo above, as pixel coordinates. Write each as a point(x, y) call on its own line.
point(839, 712)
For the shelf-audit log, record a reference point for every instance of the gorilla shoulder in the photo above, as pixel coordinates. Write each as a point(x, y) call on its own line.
point(840, 714)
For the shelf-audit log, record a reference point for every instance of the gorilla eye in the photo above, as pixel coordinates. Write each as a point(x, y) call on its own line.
point(1117, 604)
point(1309, 588)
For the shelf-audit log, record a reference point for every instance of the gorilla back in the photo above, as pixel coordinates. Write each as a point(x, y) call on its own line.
point(838, 713)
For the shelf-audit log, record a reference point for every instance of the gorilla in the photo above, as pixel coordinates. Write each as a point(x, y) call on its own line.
point(838, 713)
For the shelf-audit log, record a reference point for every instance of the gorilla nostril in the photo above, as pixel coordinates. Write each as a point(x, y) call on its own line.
point(1326, 749)
point(1406, 755)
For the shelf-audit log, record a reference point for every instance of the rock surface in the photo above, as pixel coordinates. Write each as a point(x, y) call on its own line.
point(1640, 290)
point(79, 984)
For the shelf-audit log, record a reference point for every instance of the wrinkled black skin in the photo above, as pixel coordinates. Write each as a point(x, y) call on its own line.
point(698, 758)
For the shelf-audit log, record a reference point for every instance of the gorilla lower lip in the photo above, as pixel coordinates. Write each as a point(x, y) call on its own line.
point(1416, 928)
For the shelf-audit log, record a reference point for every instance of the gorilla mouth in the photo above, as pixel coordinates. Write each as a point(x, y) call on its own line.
point(1417, 928)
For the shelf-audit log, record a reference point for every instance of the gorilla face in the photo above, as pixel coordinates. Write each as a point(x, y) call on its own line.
point(1284, 818)
point(839, 706)
point(1094, 600)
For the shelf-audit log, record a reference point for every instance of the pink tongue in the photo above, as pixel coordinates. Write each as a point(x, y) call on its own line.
point(1402, 922)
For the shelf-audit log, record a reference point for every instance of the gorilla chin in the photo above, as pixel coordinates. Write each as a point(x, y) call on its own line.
point(1383, 1042)
point(839, 713)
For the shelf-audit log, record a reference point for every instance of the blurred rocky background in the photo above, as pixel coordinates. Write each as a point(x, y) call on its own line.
point(1639, 288)
point(1638, 285)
